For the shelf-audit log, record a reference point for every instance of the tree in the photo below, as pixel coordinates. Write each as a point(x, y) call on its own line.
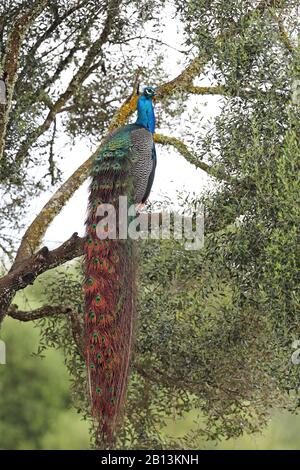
point(233, 308)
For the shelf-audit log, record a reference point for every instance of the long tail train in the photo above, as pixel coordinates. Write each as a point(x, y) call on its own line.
point(109, 289)
point(124, 167)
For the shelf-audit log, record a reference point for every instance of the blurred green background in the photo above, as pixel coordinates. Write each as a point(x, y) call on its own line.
point(35, 408)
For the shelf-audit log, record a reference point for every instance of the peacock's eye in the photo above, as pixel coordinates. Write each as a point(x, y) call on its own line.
point(149, 91)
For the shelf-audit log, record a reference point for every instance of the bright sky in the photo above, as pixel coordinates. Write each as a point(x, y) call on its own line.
point(173, 172)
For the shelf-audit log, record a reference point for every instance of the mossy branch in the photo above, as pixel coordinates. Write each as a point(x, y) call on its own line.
point(11, 62)
point(182, 148)
point(283, 34)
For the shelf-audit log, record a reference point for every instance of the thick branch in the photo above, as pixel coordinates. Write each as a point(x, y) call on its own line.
point(11, 61)
point(206, 90)
point(24, 273)
point(36, 230)
point(42, 312)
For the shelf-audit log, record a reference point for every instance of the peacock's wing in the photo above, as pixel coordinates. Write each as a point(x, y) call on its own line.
point(151, 176)
point(142, 169)
point(135, 145)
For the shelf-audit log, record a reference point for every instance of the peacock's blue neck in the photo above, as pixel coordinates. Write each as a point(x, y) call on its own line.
point(145, 110)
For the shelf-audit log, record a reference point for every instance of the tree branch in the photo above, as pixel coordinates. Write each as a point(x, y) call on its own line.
point(42, 312)
point(11, 62)
point(24, 273)
point(48, 311)
point(183, 150)
point(47, 34)
point(41, 94)
point(206, 90)
point(283, 34)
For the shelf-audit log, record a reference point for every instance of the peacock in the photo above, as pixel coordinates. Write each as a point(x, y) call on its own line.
point(125, 166)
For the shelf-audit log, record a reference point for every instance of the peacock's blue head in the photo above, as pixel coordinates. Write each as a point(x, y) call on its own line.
point(145, 111)
point(149, 91)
